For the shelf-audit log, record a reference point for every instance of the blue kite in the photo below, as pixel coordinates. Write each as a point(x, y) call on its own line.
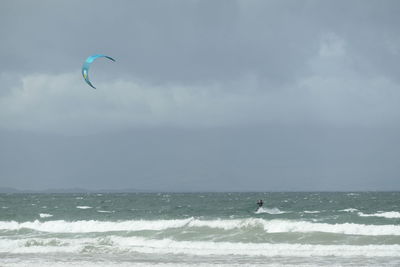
point(86, 65)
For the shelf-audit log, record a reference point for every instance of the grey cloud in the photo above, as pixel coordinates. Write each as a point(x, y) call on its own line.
point(64, 104)
point(196, 41)
point(208, 95)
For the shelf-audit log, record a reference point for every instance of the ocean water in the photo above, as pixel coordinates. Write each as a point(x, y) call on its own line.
point(200, 229)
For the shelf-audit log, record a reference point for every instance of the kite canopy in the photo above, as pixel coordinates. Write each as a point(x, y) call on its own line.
point(86, 65)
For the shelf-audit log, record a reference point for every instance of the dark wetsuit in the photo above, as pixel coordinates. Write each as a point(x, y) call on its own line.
point(260, 203)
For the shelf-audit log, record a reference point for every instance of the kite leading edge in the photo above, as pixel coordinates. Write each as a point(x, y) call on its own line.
point(86, 65)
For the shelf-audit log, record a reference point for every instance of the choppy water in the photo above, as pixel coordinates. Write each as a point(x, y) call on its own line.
point(200, 229)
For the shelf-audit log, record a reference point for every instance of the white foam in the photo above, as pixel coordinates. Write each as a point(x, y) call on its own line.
point(349, 210)
point(118, 244)
point(83, 207)
point(311, 211)
point(45, 215)
point(388, 214)
point(61, 226)
point(40, 245)
point(269, 226)
point(105, 211)
point(269, 211)
point(97, 263)
point(252, 249)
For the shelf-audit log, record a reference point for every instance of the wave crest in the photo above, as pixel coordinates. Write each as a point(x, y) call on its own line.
point(269, 211)
point(388, 214)
point(117, 244)
point(269, 226)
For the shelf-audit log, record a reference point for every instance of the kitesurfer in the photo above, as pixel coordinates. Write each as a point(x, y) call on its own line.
point(260, 203)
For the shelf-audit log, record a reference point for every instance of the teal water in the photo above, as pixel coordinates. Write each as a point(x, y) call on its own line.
point(200, 229)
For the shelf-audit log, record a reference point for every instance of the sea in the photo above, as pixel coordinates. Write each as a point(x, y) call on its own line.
point(200, 229)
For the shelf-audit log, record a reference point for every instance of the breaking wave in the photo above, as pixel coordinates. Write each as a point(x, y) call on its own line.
point(268, 226)
point(119, 244)
point(349, 210)
point(269, 211)
point(45, 215)
point(388, 214)
point(83, 207)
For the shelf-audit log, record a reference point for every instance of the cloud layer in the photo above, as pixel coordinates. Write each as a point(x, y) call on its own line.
point(333, 92)
point(204, 95)
point(199, 64)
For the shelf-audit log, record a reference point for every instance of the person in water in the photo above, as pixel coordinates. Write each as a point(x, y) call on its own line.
point(260, 203)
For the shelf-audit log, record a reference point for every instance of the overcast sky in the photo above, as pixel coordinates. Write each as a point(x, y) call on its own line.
point(203, 96)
